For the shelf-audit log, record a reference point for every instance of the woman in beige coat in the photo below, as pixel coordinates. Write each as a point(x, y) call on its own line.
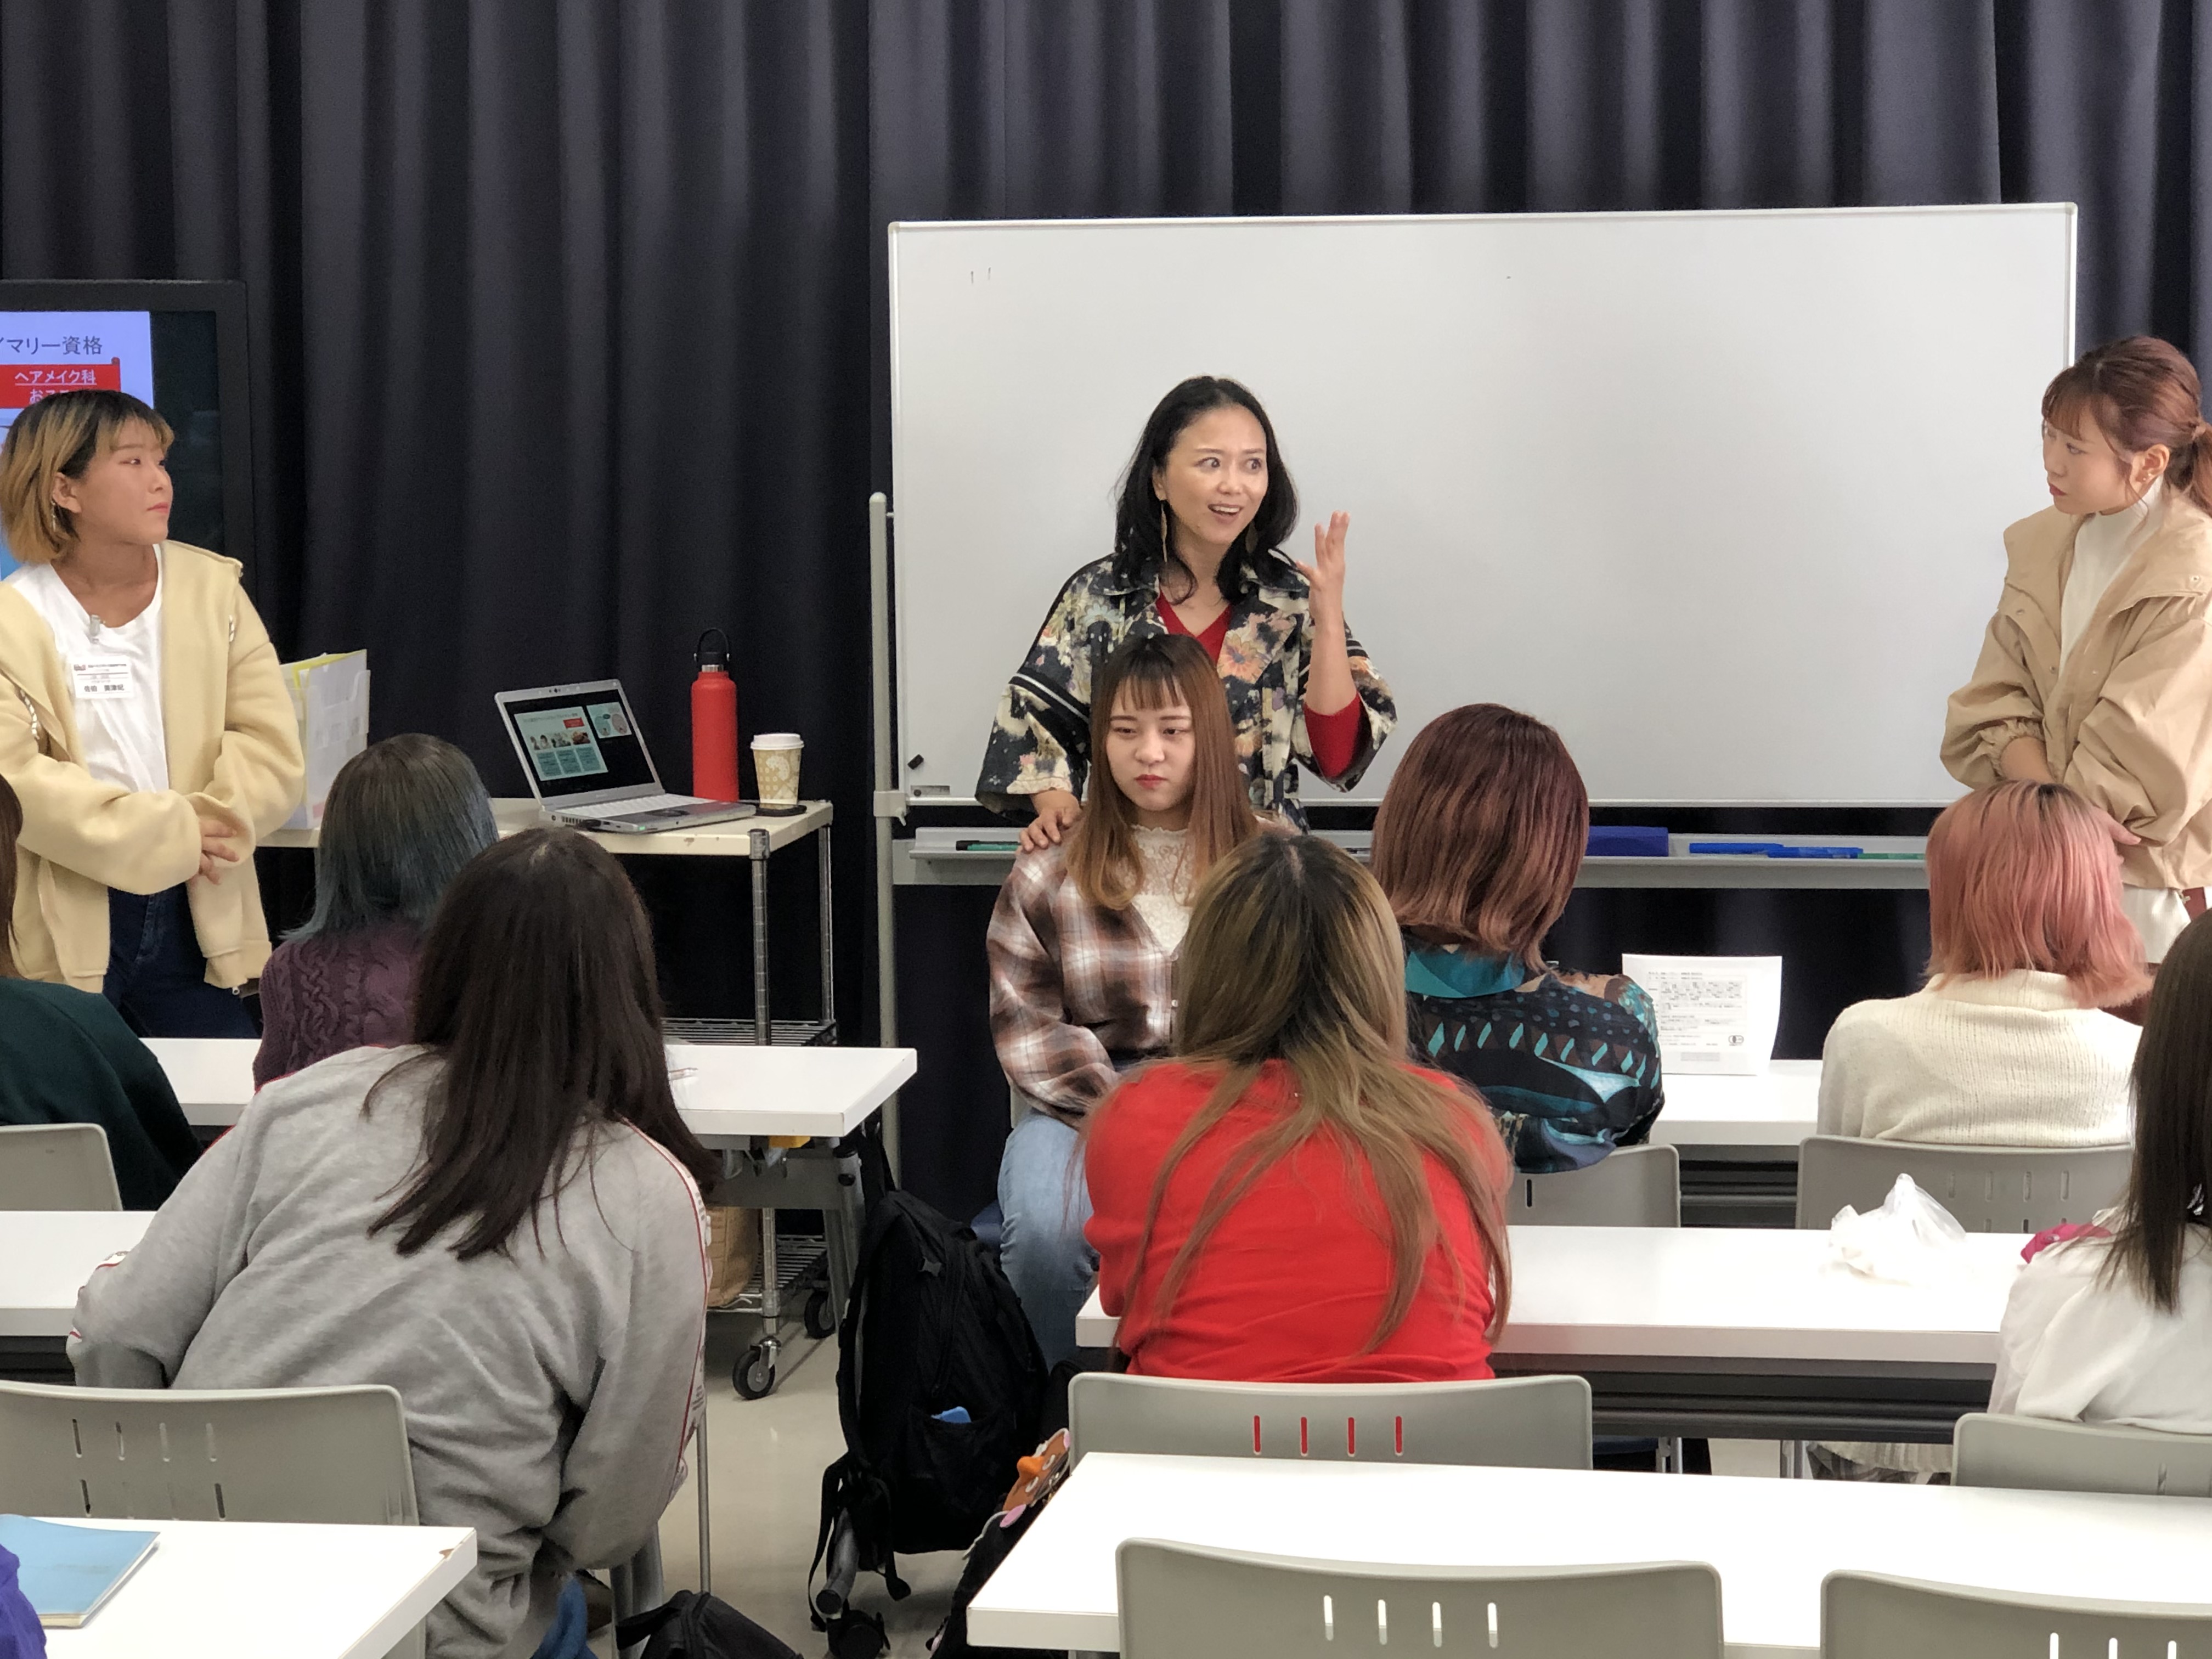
point(148, 732)
point(2097, 669)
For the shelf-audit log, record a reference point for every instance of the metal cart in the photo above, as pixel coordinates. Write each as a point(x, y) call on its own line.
point(800, 1279)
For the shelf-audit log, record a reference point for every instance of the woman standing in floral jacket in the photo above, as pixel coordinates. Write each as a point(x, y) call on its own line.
point(1204, 510)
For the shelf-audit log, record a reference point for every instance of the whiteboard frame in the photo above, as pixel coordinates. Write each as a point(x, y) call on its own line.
point(892, 672)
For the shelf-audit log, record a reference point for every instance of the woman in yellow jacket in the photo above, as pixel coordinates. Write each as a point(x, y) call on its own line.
point(144, 724)
point(2097, 669)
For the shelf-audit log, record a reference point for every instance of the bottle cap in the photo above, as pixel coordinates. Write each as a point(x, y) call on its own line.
point(705, 656)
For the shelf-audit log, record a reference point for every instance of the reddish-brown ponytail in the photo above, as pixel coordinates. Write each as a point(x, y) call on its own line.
point(2140, 392)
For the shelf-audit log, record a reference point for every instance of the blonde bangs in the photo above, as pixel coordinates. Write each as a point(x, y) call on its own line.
point(60, 437)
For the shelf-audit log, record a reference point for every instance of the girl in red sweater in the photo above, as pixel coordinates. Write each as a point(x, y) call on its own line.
point(1287, 1200)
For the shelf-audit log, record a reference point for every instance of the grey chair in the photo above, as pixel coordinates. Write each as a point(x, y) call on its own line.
point(335, 1455)
point(56, 1166)
point(1179, 1602)
point(2042, 1455)
point(1633, 1186)
point(1865, 1616)
point(1991, 1189)
point(1530, 1422)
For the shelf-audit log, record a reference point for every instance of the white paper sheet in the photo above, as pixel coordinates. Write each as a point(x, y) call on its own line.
point(1717, 1015)
point(329, 697)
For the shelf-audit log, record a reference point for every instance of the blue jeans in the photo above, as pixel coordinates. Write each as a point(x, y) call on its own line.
point(156, 976)
point(1045, 1202)
point(565, 1638)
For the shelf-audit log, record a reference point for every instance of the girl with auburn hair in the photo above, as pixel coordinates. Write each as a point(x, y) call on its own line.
point(2007, 1044)
point(2097, 665)
point(1478, 842)
point(1204, 508)
point(144, 723)
point(501, 1221)
point(1287, 1200)
point(2113, 1323)
point(403, 818)
point(1081, 948)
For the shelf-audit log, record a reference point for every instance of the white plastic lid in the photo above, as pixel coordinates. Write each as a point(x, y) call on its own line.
point(779, 740)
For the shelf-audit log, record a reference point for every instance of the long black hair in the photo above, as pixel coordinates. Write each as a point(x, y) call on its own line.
point(1140, 554)
point(2169, 1183)
point(536, 992)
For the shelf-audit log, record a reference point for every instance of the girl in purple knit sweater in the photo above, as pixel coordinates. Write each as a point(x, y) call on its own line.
point(404, 816)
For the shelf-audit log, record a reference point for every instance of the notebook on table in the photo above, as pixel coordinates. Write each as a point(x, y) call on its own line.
point(587, 762)
point(65, 1572)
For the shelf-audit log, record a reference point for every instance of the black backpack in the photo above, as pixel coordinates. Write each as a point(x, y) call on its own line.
point(692, 1627)
point(939, 1387)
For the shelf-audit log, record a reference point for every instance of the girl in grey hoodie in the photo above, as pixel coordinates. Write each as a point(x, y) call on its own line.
point(501, 1220)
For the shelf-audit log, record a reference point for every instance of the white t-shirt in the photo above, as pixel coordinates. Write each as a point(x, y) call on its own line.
point(115, 674)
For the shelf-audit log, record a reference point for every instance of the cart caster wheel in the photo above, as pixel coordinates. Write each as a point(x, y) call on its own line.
point(755, 1376)
point(821, 1318)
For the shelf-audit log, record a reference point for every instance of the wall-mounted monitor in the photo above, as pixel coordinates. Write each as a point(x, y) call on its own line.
point(179, 346)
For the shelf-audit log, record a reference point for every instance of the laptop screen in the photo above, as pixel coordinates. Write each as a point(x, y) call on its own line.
point(580, 742)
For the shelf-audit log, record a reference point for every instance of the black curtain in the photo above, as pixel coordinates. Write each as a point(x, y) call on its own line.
point(567, 315)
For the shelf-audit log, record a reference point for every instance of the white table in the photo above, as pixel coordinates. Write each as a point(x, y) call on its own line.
point(1774, 1111)
point(1772, 1540)
point(1743, 1332)
point(45, 1256)
point(729, 1094)
point(245, 1589)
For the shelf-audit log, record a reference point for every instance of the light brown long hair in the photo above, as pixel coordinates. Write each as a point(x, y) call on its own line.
point(1159, 671)
point(1292, 956)
point(1481, 832)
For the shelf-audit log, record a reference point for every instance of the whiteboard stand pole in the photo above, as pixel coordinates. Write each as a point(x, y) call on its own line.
point(891, 800)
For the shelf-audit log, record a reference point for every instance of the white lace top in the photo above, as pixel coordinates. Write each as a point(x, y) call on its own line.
point(1163, 895)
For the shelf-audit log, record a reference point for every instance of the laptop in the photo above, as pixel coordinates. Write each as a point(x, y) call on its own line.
point(587, 762)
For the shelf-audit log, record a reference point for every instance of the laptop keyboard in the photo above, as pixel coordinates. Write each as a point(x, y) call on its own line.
point(643, 805)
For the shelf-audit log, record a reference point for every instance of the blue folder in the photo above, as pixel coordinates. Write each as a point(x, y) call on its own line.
point(68, 1572)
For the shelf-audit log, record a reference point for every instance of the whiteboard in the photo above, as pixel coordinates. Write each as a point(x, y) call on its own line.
point(1718, 495)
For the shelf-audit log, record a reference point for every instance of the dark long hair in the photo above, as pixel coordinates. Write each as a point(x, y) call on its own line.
point(1140, 554)
point(1157, 671)
point(403, 818)
point(536, 996)
point(2170, 1180)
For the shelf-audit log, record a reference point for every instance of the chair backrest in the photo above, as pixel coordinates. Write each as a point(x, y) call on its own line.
point(1632, 1187)
point(2044, 1455)
point(1179, 1602)
point(326, 1455)
point(56, 1166)
point(1866, 1615)
point(1530, 1422)
point(1991, 1189)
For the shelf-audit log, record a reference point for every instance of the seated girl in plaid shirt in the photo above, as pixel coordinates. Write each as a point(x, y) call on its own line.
point(1083, 945)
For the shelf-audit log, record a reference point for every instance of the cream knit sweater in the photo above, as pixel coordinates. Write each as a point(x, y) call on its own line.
point(2012, 1062)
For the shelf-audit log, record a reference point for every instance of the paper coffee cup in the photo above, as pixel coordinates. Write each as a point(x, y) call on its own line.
point(775, 767)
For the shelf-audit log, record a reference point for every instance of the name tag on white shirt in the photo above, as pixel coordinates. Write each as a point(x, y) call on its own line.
point(101, 676)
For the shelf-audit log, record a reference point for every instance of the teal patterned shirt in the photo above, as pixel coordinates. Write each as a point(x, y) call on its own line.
point(1569, 1063)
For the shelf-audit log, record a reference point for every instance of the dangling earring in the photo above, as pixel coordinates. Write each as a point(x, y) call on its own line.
point(1163, 528)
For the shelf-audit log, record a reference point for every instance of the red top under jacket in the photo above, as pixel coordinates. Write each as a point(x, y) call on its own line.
point(1290, 1283)
point(1335, 737)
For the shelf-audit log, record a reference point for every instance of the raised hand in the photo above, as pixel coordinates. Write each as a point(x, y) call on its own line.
point(1325, 575)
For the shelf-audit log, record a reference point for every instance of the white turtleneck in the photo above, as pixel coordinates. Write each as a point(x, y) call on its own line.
point(2102, 547)
point(1163, 894)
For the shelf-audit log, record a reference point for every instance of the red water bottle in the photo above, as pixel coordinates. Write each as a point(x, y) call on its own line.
point(713, 721)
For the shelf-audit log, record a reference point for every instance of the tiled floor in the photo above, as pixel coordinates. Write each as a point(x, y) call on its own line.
point(766, 1489)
